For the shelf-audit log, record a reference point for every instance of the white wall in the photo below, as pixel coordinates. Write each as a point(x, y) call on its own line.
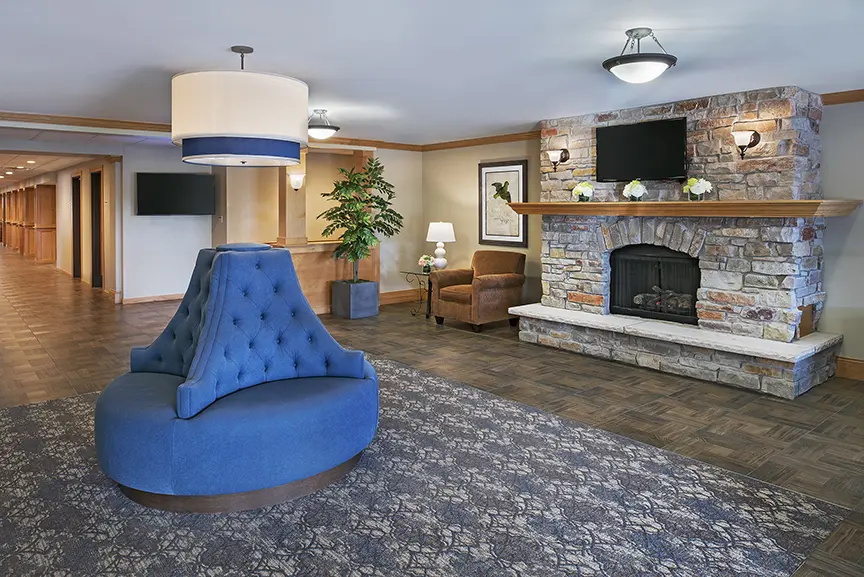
point(404, 170)
point(158, 251)
point(842, 161)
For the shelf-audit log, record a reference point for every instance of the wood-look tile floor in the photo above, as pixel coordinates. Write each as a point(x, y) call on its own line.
point(60, 338)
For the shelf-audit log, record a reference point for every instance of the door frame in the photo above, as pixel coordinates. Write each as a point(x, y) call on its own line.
point(76, 224)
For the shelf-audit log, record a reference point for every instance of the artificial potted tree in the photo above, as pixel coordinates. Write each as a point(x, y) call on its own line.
point(362, 213)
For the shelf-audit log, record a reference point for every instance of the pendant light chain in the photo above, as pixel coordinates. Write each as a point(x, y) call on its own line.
point(658, 43)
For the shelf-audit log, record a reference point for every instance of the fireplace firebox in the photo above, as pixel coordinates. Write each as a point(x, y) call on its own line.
point(654, 282)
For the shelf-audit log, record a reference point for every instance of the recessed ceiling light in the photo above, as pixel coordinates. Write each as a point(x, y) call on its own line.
point(8, 172)
point(1, 176)
point(20, 167)
point(31, 162)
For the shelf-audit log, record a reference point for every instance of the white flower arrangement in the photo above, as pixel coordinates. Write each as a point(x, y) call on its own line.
point(583, 190)
point(426, 260)
point(635, 190)
point(697, 187)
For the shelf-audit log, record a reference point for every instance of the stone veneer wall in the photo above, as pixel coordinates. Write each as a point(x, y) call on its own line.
point(782, 379)
point(755, 272)
point(785, 165)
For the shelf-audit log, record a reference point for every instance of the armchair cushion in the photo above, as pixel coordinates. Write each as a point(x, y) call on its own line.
point(493, 281)
point(460, 293)
point(497, 262)
point(456, 276)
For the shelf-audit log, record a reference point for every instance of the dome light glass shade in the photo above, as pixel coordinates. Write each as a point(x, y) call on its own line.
point(320, 128)
point(637, 67)
point(239, 118)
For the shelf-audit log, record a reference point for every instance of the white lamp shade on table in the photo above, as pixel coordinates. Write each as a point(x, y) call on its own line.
point(239, 118)
point(440, 232)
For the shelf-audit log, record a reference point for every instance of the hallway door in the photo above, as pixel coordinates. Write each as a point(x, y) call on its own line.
point(76, 227)
point(96, 224)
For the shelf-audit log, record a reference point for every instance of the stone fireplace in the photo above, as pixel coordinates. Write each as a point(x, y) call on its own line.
point(753, 286)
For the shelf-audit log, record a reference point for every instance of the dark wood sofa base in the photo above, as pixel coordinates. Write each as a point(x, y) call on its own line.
point(233, 502)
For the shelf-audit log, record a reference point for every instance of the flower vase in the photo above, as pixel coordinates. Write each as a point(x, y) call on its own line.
point(635, 199)
point(695, 197)
point(583, 198)
point(427, 268)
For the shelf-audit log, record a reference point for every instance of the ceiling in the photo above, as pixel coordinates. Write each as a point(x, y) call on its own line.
point(421, 72)
point(41, 163)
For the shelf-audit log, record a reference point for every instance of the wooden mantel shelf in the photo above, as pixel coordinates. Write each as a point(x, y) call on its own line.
point(706, 208)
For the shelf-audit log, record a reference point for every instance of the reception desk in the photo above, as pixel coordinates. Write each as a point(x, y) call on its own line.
point(317, 269)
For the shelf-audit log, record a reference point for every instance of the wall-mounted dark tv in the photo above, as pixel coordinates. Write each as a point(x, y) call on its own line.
point(161, 193)
point(655, 150)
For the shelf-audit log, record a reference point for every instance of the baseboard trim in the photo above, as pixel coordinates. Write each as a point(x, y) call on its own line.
point(154, 299)
point(395, 297)
point(850, 368)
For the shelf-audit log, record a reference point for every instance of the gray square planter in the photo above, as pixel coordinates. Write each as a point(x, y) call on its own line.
point(354, 300)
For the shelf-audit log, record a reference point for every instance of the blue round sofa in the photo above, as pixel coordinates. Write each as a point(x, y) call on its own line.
point(244, 400)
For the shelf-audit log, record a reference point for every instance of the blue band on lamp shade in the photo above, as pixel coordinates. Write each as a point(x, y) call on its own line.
point(240, 151)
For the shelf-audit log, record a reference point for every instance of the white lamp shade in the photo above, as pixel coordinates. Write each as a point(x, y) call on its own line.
point(742, 137)
point(239, 118)
point(554, 156)
point(297, 180)
point(639, 72)
point(440, 232)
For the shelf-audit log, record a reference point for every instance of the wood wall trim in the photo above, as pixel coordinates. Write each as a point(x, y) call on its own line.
point(401, 296)
point(846, 97)
point(80, 121)
point(154, 299)
point(850, 368)
point(499, 139)
point(705, 208)
point(370, 143)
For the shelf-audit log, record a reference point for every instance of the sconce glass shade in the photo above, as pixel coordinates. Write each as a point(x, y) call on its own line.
point(440, 232)
point(742, 137)
point(554, 156)
point(239, 118)
point(297, 180)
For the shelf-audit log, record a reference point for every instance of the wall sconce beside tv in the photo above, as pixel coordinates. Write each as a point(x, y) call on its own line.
point(164, 193)
point(655, 150)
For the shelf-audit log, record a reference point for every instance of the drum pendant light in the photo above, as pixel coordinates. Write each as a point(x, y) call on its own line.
point(239, 118)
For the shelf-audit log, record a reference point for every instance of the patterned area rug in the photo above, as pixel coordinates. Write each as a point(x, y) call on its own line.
point(457, 482)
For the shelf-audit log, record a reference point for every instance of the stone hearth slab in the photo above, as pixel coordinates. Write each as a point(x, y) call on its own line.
point(776, 368)
point(685, 334)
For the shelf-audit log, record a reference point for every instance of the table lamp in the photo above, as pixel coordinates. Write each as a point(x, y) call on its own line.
point(440, 232)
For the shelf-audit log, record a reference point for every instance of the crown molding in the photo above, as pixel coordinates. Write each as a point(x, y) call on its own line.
point(846, 97)
point(359, 142)
point(498, 139)
point(82, 122)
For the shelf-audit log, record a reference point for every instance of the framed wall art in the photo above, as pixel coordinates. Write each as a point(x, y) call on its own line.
point(500, 183)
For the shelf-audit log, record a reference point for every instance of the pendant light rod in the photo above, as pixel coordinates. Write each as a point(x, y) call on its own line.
point(242, 51)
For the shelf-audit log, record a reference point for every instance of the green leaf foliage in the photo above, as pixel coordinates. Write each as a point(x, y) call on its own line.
point(362, 211)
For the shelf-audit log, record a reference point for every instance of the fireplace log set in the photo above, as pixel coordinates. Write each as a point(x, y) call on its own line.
point(666, 301)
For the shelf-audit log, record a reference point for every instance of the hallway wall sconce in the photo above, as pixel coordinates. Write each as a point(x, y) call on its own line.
point(745, 139)
point(297, 180)
point(557, 157)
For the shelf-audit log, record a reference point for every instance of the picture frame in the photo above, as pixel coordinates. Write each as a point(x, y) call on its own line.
point(498, 224)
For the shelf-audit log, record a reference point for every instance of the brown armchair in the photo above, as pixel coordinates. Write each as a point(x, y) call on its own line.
point(480, 294)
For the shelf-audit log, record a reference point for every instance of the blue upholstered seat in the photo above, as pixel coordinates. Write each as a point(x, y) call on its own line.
point(244, 390)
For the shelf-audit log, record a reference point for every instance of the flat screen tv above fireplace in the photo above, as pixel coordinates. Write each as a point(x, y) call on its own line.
point(654, 150)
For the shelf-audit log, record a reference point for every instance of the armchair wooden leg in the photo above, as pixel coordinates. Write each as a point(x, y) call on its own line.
point(439, 320)
point(514, 322)
point(477, 328)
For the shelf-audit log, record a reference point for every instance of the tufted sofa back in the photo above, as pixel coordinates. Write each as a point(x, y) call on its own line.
point(172, 351)
point(258, 327)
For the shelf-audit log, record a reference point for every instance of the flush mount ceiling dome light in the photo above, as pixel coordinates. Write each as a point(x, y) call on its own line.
point(320, 128)
point(239, 118)
point(636, 66)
